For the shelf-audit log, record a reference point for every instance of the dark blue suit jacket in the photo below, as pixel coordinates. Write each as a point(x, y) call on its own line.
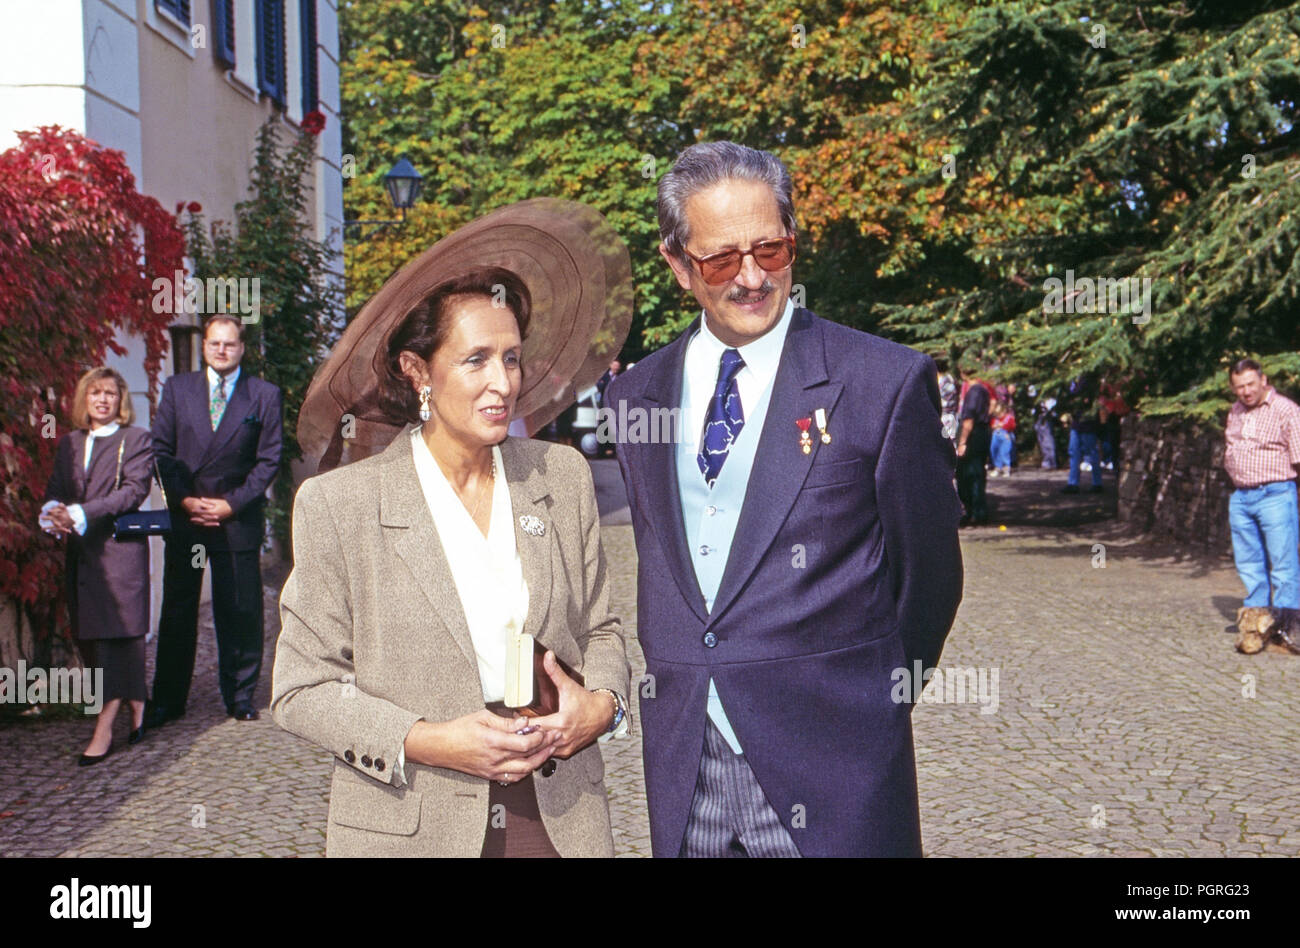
point(238, 461)
point(845, 566)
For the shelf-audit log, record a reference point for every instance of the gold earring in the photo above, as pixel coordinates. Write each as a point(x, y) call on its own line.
point(425, 393)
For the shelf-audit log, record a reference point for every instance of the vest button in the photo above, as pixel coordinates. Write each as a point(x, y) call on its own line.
point(710, 640)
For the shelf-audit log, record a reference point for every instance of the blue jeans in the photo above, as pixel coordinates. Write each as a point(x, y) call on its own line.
point(1084, 445)
point(1266, 543)
point(1046, 443)
point(1000, 449)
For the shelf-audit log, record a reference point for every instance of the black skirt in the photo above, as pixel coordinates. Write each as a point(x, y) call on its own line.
point(123, 663)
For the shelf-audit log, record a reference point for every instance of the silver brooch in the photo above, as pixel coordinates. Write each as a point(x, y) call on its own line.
point(532, 526)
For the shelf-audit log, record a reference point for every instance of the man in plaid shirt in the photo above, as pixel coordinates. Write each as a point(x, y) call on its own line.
point(1263, 435)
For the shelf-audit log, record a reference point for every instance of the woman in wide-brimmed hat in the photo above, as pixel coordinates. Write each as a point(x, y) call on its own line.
point(416, 568)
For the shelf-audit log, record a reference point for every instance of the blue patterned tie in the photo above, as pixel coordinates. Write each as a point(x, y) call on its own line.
point(725, 418)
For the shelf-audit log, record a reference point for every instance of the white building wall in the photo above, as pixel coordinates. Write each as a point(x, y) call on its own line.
point(42, 67)
point(329, 194)
point(79, 64)
point(110, 38)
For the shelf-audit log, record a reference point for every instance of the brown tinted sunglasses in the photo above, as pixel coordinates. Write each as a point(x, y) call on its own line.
point(772, 255)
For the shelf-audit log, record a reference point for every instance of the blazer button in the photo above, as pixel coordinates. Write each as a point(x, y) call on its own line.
point(350, 757)
point(548, 768)
point(710, 640)
point(379, 764)
point(365, 760)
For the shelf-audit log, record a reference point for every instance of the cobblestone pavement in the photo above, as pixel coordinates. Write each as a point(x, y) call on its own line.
point(1122, 723)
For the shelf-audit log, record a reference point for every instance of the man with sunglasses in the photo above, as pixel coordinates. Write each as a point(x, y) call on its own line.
point(798, 562)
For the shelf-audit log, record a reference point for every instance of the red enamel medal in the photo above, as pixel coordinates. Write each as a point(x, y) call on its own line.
point(805, 439)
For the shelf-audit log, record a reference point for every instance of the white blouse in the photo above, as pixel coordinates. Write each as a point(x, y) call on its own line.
point(487, 571)
point(105, 431)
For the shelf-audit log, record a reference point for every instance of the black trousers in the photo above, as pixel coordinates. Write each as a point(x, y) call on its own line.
point(236, 612)
point(972, 485)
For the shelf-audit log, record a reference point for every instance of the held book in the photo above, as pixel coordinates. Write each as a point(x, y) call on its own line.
point(529, 690)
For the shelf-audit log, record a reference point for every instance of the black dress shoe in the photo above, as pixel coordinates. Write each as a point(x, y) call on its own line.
point(136, 736)
point(156, 715)
point(244, 712)
point(89, 761)
point(1069, 489)
point(1096, 489)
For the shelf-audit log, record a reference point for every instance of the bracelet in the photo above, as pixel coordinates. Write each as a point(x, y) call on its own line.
point(619, 711)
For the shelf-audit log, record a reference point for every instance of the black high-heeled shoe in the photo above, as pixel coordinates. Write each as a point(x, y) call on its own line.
point(136, 736)
point(89, 761)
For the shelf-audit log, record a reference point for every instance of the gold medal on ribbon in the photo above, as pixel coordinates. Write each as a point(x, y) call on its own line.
point(820, 414)
point(805, 439)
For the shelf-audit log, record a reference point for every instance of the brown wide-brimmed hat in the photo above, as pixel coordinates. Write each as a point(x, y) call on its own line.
point(579, 276)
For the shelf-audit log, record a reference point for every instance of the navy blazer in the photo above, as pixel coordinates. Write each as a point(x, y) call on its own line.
point(238, 461)
point(845, 566)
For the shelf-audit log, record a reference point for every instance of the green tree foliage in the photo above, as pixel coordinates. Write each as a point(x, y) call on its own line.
point(593, 101)
point(300, 300)
point(1155, 141)
point(947, 158)
point(499, 106)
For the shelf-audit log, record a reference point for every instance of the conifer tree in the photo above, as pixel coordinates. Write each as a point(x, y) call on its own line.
point(1155, 141)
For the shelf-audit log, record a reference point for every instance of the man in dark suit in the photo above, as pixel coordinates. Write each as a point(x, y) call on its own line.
point(216, 438)
point(797, 545)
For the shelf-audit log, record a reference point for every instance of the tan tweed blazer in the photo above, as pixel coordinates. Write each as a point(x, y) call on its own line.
point(373, 638)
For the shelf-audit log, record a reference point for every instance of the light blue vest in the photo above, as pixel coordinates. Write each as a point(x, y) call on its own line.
point(711, 516)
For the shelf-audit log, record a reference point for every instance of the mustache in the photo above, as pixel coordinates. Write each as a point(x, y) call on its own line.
point(741, 294)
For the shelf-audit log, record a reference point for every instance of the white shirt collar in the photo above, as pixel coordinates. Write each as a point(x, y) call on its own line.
point(106, 431)
point(762, 356)
point(231, 379)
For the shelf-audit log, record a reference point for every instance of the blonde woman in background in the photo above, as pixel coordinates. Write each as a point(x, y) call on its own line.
point(101, 470)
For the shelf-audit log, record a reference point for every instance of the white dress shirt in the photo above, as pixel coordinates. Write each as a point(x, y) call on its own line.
point(228, 388)
point(762, 358)
point(704, 354)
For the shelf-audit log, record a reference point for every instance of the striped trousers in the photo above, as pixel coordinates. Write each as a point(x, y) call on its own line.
point(730, 816)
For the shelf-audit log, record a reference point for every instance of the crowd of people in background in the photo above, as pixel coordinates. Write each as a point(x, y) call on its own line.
point(980, 417)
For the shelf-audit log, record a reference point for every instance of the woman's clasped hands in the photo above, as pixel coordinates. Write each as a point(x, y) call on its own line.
point(508, 749)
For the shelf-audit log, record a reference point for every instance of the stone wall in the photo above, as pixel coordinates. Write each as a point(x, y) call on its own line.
point(1173, 482)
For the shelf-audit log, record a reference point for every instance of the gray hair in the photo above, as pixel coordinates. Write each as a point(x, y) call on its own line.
point(706, 164)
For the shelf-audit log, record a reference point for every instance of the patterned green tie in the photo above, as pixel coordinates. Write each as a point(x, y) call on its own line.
point(218, 406)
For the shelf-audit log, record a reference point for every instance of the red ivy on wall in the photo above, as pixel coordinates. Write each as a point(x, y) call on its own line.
point(79, 249)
